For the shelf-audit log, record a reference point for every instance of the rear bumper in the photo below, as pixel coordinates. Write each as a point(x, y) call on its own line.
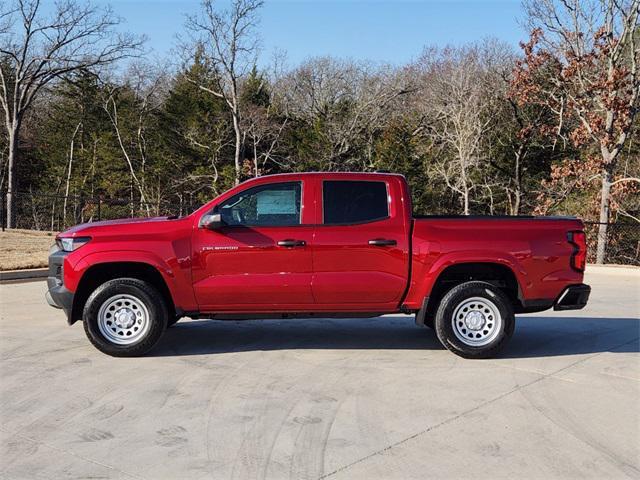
point(574, 297)
point(58, 295)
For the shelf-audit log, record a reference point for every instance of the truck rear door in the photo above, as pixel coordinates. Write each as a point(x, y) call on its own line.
point(361, 244)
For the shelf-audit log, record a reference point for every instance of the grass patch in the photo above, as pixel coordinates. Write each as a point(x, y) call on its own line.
point(24, 249)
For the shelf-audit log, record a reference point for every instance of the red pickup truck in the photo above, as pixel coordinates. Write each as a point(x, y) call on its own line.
point(316, 245)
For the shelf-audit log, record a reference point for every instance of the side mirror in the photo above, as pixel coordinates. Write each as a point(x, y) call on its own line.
point(211, 222)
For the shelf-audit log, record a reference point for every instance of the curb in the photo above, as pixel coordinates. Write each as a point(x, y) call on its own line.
point(613, 269)
point(26, 274)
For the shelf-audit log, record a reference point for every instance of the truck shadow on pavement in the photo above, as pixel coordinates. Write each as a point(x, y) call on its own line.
point(534, 336)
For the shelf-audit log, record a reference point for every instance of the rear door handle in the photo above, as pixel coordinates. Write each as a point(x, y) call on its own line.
point(382, 242)
point(290, 243)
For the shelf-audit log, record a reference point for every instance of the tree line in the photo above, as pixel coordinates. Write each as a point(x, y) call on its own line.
point(480, 128)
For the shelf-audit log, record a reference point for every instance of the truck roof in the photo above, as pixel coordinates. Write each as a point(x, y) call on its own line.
point(344, 175)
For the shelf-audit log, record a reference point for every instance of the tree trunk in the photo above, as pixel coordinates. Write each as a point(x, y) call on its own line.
point(605, 199)
point(236, 128)
point(516, 202)
point(66, 190)
point(518, 183)
point(465, 191)
point(255, 160)
point(11, 177)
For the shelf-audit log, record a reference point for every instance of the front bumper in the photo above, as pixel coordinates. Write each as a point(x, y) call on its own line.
point(58, 295)
point(574, 297)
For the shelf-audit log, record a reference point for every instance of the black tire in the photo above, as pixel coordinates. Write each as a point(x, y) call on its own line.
point(143, 292)
point(496, 334)
point(429, 320)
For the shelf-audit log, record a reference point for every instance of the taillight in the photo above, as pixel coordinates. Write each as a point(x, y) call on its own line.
point(579, 255)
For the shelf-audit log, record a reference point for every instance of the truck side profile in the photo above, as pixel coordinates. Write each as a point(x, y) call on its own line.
point(316, 244)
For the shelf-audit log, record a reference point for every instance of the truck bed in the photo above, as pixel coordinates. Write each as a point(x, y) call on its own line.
point(535, 249)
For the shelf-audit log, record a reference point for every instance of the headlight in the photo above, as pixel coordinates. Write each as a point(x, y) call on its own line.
point(69, 244)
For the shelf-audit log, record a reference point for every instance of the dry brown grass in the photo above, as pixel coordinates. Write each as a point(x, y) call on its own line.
point(24, 249)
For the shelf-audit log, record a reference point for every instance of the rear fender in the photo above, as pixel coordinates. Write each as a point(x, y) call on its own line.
point(424, 276)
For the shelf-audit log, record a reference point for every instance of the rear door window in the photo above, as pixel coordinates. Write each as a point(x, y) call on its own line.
point(349, 202)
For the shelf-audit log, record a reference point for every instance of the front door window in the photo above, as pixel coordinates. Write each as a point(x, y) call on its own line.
point(273, 205)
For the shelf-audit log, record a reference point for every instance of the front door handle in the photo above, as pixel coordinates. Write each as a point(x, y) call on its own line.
point(382, 242)
point(290, 243)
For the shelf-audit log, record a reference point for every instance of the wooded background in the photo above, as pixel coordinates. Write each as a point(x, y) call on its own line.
point(94, 130)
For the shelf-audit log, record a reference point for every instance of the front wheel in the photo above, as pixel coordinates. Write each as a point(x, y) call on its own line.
point(125, 317)
point(474, 320)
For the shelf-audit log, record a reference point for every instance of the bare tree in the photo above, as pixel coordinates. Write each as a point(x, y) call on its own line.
point(146, 88)
point(582, 62)
point(264, 131)
point(455, 102)
point(351, 100)
point(516, 134)
point(36, 49)
point(228, 42)
point(215, 143)
point(111, 108)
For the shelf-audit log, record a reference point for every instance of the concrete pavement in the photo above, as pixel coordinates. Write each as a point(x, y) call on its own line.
point(340, 399)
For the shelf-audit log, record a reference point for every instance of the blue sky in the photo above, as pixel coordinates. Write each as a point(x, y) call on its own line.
point(384, 31)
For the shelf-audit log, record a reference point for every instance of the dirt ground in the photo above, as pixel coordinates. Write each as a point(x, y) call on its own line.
point(24, 249)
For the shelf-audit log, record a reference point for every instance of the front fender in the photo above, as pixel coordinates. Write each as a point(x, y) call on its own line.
point(176, 278)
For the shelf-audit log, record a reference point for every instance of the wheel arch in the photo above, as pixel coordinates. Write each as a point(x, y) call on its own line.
point(97, 274)
point(498, 274)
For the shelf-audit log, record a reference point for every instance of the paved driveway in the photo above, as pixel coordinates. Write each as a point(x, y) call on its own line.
point(340, 399)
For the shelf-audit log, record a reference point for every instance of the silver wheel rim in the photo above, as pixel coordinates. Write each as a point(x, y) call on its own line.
point(476, 321)
point(123, 319)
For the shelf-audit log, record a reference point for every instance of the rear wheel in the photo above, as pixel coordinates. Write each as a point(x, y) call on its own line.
point(474, 320)
point(125, 317)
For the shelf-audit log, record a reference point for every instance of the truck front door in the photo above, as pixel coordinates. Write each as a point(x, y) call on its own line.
point(259, 259)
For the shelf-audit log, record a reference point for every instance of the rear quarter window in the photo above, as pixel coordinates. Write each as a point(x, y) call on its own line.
point(349, 202)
